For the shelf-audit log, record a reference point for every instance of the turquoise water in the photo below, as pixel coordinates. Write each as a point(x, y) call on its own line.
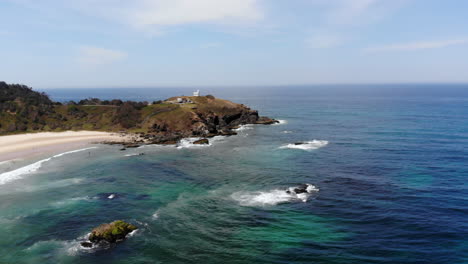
point(391, 188)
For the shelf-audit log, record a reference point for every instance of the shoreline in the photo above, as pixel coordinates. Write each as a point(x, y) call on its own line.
point(22, 146)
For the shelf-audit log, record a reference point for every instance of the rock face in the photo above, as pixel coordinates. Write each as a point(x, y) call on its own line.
point(160, 122)
point(111, 233)
point(263, 120)
point(203, 117)
point(202, 141)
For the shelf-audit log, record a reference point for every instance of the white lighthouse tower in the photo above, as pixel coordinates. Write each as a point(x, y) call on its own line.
point(197, 93)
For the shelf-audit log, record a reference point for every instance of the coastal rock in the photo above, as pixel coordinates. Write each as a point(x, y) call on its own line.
point(263, 120)
point(202, 141)
point(86, 244)
point(303, 188)
point(111, 233)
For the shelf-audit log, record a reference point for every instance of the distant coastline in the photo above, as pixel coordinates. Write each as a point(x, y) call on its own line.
point(30, 121)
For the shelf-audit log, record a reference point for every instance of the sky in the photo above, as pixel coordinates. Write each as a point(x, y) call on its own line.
point(155, 43)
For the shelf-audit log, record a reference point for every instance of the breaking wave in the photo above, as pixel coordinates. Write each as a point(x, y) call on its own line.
point(309, 145)
point(244, 127)
point(273, 197)
point(18, 173)
point(188, 142)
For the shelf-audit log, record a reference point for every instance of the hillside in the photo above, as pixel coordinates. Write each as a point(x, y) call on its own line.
point(25, 110)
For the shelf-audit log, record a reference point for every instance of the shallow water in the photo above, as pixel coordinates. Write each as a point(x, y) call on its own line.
point(390, 188)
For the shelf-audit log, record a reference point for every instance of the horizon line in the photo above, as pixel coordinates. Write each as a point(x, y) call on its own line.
point(249, 86)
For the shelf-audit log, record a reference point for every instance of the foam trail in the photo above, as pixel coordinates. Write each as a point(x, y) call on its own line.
point(272, 197)
point(69, 201)
point(17, 174)
point(309, 145)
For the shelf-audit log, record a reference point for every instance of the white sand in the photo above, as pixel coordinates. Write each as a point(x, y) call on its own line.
point(23, 145)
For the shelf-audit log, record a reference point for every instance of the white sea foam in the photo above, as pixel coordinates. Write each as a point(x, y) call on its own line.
point(287, 132)
point(281, 122)
point(244, 127)
point(130, 155)
point(69, 201)
point(188, 142)
point(18, 173)
point(309, 145)
point(112, 196)
point(156, 214)
point(272, 197)
point(72, 151)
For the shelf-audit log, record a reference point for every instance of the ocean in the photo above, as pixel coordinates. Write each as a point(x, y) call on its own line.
point(388, 165)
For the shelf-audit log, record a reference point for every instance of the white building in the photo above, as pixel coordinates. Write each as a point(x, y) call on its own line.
point(197, 93)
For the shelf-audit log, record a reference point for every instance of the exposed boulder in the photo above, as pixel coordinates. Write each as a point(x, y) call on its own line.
point(111, 233)
point(263, 120)
point(202, 141)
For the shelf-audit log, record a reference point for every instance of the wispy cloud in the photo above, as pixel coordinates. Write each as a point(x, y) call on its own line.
point(94, 56)
point(348, 11)
point(321, 41)
point(148, 14)
point(418, 45)
point(341, 17)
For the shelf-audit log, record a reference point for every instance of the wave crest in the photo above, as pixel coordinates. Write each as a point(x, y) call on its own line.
point(309, 145)
point(18, 173)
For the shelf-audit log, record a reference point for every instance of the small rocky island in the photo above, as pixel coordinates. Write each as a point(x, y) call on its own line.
point(109, 233)
point(159, 122)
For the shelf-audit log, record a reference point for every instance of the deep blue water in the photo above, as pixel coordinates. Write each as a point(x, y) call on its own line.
point(392, 185)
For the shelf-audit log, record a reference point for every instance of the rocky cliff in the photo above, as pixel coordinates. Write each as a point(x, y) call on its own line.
point(24, 110)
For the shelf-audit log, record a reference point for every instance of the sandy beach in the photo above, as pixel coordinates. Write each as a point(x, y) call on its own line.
point(26, 145)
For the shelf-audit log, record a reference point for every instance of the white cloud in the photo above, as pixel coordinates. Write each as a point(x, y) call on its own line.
point(418, 45)
point(144, 14)
point(94, 56)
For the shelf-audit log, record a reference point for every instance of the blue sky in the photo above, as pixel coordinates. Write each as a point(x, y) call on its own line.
point(121, 43)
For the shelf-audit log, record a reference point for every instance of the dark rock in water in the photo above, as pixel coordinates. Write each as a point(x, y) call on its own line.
point(122, 149)
point(141, 154)
point(227, 133)
point(263, 120)
point(202, 141)
point(87, 244)
point(131, 145)
point(111, 233)
point(299, 143)
point(300, 189)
